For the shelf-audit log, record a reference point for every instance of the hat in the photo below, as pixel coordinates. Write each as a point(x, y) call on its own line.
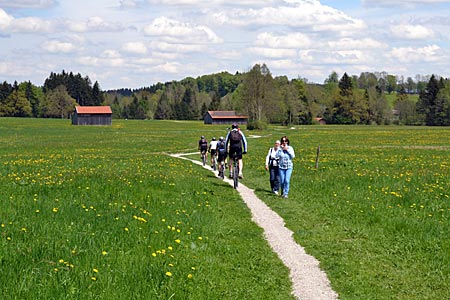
point(234, 125)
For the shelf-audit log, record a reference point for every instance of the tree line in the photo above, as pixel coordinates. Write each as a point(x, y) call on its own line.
point(370, 98)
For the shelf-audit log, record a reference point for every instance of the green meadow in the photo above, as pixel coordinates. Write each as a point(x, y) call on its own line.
point(105, 212)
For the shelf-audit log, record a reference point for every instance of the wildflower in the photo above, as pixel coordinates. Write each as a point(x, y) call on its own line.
point(95, 270)
point(55, 209)
point(177, 241)
point(168, 273)
point(154, 254)
point(93, 278)
point(104, 252)
point(126, 229)
point(189, 276)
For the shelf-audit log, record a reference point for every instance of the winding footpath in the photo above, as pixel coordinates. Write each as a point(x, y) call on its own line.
point(308, 280)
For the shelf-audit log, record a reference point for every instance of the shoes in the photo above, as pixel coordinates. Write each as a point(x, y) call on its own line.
point(275, 192)
point(240, 176)
point(285, 196)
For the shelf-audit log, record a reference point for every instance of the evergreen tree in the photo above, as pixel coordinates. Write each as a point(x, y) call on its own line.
point(427, 105)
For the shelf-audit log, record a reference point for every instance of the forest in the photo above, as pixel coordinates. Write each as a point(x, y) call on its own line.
point(367, 98)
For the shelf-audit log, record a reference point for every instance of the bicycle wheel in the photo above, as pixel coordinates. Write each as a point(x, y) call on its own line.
point(236, 174)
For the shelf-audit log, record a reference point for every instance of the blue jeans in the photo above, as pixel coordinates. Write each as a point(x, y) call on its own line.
point(274, 179)
point(285, 178)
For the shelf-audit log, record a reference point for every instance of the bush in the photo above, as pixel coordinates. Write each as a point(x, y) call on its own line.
point(255, 125)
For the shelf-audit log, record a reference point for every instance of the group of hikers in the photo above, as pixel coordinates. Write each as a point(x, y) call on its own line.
point(278, 160)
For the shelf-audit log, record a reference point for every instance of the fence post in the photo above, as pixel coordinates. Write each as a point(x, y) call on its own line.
point(317, 157)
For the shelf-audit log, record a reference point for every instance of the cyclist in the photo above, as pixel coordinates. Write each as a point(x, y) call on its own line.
point(237, 145)
point(222, 155)
point(213, 150)
point(203, 147)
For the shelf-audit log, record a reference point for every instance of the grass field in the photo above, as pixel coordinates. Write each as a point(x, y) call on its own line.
point(104, 213)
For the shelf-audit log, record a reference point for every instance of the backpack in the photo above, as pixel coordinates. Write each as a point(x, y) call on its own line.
point(222, 147)
point(235, 137)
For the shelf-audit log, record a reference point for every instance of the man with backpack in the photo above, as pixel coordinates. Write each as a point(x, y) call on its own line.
point(236, 143)
point(222, 155)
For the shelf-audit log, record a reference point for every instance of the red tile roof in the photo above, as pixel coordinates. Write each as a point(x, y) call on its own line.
point(225, 114)
point(93, 109)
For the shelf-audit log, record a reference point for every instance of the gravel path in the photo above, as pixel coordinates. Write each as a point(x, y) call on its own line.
point(309, 281)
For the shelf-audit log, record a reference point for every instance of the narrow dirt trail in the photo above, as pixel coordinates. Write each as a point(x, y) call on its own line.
point(309, 281)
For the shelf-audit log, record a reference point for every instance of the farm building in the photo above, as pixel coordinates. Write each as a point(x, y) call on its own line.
point(92, 115)
point(224, 117)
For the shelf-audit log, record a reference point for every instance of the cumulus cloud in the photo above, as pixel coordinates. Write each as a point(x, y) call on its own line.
point(27, 3)
point(411, 32)
point(135, 47)
point(5, 20)
point(296, 13)
point(58, 47)
point(31, 25)
point(400, 3)
point(169, 28)
point(353, 44)
point(94, 24)
point(431, 53)
point(290, 40)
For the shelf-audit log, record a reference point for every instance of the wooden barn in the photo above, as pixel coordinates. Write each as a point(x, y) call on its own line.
point(92, 115)
point(224, 117)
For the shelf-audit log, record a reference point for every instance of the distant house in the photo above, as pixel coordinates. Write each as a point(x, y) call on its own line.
point(224, 117)
point(321, 121)
point(92, 115)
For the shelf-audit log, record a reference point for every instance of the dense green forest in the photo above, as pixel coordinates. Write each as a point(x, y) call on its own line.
point(370, 98)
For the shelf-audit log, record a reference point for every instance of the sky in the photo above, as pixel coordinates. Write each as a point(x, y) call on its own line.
point(138, 43)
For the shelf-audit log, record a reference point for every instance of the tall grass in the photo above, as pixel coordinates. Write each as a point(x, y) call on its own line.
point(102, 213)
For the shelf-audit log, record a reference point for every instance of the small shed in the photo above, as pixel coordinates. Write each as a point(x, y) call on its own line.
point(224, 117)
point(92, 115)
point(321, 121)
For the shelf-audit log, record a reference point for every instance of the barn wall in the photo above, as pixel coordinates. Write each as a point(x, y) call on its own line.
point(92, 119)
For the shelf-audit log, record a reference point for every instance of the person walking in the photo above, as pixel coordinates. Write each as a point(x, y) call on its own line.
point(285, 154)
point(272, 167)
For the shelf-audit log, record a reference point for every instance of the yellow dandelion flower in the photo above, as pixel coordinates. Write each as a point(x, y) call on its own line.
point(170, 248)
point(126, 229)
point(200, 238)
point(168, 273)
point(93, 278)
point(154, 254)
point(95, 270)
point(177, 241)
point(189, 276)
point(104, 252)
point(55, 209)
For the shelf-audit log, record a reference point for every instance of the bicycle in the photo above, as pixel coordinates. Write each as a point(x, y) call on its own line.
point(214, 162)
point(221, 170)
point(235, 171)
point(204, 158)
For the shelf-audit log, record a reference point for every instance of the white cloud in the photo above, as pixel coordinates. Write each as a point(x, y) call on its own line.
point(291, 40)
point(179, 48)
point(411, 32)
point(31, 25)
point(410, 55)
point(135, 47)
point(5, 20)
point(272, 53)
point(115, 62)
point(169, 28)
point(27, 3)
point(58, 47)
point(311, 14)
point(94, 24)
point(401, 3)
point(353, 44)
point(110, 53)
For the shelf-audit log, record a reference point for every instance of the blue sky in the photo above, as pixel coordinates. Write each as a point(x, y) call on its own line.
point(136, 43)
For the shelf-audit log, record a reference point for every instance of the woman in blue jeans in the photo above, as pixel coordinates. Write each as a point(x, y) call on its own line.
point(285, 155)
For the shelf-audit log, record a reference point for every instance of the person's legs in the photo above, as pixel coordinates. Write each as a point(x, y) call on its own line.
point(241, 165)
point(282, 173)
point(287, 181)
point(276, 181)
